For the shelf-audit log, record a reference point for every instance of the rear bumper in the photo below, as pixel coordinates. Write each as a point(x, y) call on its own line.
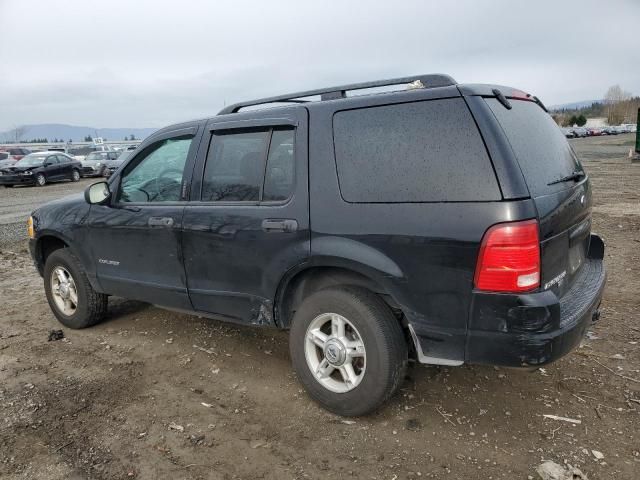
point(537, 328)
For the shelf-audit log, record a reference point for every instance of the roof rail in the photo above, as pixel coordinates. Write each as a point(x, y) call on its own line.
point(332, 93)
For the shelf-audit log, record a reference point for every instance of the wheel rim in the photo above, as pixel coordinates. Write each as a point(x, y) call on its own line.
point(64, 291)
point(335, 352)
point(40, 179)
point(76, 175)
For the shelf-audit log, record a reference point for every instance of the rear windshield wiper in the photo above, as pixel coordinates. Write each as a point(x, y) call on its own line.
point(575, 176)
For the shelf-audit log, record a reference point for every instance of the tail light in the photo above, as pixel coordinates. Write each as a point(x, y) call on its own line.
point(509, 258)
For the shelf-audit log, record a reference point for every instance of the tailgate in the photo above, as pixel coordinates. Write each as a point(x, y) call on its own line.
point(564, 204)
point(565, 228)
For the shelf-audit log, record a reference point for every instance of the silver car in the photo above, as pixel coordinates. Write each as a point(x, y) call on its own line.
point(96, 164)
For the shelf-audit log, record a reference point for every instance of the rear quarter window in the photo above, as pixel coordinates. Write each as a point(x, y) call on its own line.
point(429, 151)
point(542, 150)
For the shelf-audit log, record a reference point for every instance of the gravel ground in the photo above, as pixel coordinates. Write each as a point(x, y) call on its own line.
point(155, 394)
point(18, 202)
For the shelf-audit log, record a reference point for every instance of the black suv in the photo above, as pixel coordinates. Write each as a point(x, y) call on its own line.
point(439, 222)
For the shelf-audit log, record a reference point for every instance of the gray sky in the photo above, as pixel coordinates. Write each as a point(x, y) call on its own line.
point(151, 63)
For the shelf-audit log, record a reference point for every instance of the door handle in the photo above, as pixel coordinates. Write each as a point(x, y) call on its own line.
point(160, 222)
point(279, 225)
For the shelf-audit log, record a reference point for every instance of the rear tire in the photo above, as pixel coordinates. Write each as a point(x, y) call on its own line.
point(379, 368)
point(75, 176)
point(41, 180)
point(64, 275)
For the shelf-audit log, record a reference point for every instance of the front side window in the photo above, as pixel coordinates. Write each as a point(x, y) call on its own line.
point(156, 174)
point(235, 170)
point(52, 160)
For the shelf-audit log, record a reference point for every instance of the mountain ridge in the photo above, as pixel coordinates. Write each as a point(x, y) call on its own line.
point(75, 133)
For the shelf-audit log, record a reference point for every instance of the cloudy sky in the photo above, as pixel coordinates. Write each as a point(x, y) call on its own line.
point(155, 62)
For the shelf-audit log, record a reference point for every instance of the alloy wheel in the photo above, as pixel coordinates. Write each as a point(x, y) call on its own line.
point(64, 291)
point(335, 352)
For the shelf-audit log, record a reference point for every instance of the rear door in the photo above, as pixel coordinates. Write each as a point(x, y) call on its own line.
point(52, 168)
point(65, 166)
point(564, 206)
point(247, 222)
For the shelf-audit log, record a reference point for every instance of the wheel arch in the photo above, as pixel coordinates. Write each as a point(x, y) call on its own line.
point(45, 245)
point(326, 272)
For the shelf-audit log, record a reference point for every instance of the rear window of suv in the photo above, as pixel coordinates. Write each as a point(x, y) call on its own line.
point(429, 151)
point(542, 150)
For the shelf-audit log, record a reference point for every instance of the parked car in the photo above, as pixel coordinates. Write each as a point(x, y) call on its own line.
point(79, 153)
point(568, 133)
point(40, 168)
point(594, 132)
point(13, 153)
point(580, 132)
point(5, 161)
point(609, 131)
point(96, 164)
point(445, 223)
point(115, 164)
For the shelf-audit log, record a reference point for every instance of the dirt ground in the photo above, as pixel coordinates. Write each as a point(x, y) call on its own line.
point(155, 394)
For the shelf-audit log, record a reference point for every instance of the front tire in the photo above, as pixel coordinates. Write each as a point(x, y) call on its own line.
point(348, 350)
point(71, 297)
point(75, 176)
point(41, 180)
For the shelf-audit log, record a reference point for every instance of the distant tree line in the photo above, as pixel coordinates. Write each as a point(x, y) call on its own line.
point(618, 106)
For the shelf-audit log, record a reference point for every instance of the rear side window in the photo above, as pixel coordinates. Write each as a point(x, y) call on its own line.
point(278, 180)
point(542, 151)
point(428, 151)
point(249, 166)
point(4, 155)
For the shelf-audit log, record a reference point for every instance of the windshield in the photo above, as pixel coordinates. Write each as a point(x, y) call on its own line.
point(31, 160)
point(97, 156)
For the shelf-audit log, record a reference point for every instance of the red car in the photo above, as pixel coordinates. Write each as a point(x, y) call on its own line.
point(13, 153)
point(594, 132)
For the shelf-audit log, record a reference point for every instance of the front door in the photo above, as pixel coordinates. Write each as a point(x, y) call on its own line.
point(247, 222)
point(135, 239)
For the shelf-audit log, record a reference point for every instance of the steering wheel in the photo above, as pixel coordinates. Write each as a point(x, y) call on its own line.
point(162, 176)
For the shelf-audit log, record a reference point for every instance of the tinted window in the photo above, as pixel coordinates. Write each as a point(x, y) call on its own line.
point(235, 166)
point(156, 174)
point(279, 174)
point(53, 160)
point(540, 146)
point(62, 159)
point(4, 155)
point(414, 152)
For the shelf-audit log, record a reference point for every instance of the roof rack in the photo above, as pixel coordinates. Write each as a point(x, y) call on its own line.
point(332, 93)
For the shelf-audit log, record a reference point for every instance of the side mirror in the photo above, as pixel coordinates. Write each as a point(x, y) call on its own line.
point(97, 193)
